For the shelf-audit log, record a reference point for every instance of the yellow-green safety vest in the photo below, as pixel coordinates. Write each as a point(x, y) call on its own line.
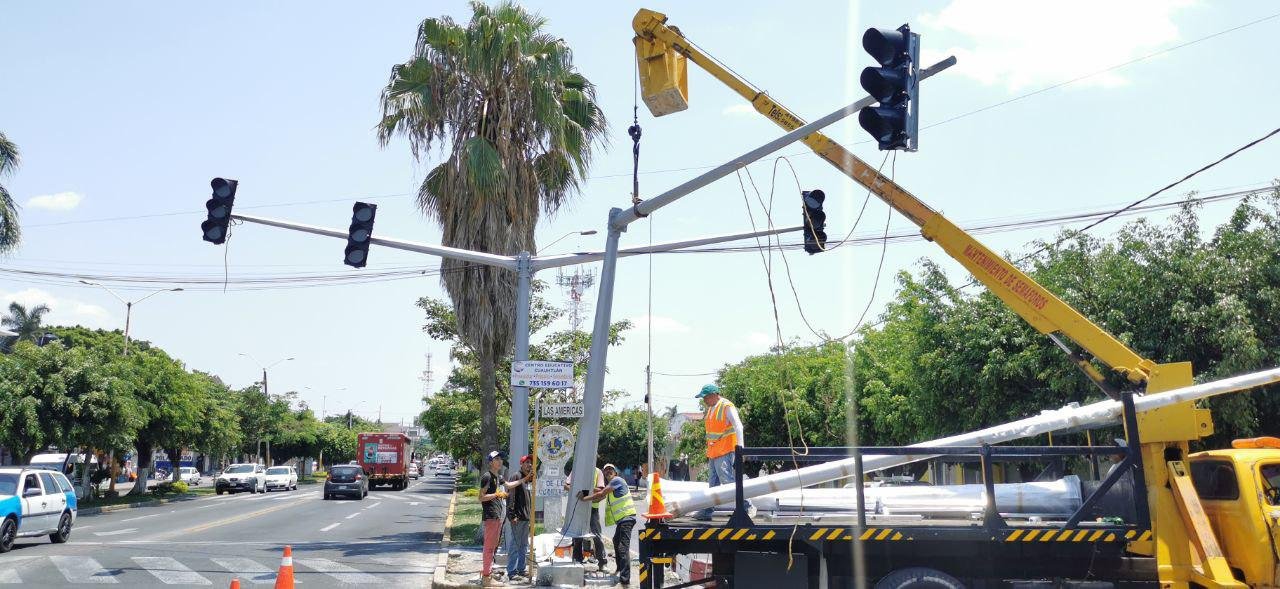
point(618, 508)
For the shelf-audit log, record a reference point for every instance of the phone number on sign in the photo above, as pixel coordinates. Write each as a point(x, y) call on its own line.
point(550, 384)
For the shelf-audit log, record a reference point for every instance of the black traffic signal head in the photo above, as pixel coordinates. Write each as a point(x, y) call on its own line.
point(894, 122)
point(215, 227)
point(358, 236)
point(815, 221)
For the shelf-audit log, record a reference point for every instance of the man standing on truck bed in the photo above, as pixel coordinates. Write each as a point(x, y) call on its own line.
point(724, 435)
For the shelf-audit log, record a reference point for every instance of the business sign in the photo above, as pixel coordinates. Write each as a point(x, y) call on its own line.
point(539, 374)
point(562, 410)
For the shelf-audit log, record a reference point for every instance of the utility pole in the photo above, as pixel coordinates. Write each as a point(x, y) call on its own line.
point(266, 396)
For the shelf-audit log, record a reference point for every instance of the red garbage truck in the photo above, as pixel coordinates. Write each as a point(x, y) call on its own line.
point(385, 458)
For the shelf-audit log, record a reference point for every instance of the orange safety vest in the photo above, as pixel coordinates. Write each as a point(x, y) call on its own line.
point(721, 438)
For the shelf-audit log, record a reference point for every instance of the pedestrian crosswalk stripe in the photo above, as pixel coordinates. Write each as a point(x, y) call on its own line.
point(338, 571)
point(8, 575)
point(170, 571)
point(252, 571)
point(83, 569)
point(416, 564)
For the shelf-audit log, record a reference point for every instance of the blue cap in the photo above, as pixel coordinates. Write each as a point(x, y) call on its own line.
point(707, 390)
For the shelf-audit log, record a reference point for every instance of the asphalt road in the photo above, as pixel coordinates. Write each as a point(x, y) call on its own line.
point(388, 539)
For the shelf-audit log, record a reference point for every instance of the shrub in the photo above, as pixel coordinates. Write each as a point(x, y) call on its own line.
point(472, 492)
point(168, 487)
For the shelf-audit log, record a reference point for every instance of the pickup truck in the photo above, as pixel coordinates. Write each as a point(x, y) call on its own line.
point(35, 502)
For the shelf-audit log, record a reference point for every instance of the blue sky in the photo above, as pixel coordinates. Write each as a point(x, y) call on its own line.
point(124, 111)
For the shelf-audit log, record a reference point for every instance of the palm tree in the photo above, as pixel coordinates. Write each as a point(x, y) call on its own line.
point(520, 124)
point(26, 323)
point(10, 234)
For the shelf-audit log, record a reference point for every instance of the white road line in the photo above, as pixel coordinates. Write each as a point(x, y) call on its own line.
point(115, 532)
point(396, 497)
point(374, 505)
point(82, 569)
point(339, 571)
point(419, 564)
point(141, 517)
point(353, 515)
point(412, 503)
point(255, 573)
point(170, 571)
point(208, 506)
point(330, 527)
point(9, 576)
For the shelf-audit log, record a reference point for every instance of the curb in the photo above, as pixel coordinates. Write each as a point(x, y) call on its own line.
point(440, 578)
point(124, 506)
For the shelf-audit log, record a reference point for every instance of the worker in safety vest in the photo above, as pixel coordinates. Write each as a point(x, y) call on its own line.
point(597, 536)
point(619, 511)
point(724, 435)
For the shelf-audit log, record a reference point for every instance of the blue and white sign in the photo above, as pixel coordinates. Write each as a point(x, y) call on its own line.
point(540, 374)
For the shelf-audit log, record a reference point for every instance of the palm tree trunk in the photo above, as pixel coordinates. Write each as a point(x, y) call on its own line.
point(488, 400)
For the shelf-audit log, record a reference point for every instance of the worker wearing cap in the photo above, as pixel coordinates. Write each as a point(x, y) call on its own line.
point(619, 511)
point(518, 516)
point(724, 435)
point(492, 492)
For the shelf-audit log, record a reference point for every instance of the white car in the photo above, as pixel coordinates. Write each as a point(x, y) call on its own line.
point(242, 477)
point(413, 471)
point(282, 477)
point(35, 502)
point(189, 475)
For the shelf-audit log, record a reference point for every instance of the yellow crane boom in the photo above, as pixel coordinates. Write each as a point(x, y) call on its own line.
point(661, 51)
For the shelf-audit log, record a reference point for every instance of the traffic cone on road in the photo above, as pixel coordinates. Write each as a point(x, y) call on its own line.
point(235, 584)
point(284, 578)
point(657, 509)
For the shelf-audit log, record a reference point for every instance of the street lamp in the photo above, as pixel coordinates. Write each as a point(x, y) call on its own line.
point(128, 306)
point(559, 239)
point(353, 408)
point(265, 395)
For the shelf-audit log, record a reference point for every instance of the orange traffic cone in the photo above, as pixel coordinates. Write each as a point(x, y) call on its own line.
point(657, 509)
point(284, 578)
point(235, 584)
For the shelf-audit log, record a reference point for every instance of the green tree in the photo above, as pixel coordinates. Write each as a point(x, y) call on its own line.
point(10, 232)
point(624, 437)
point(520, 124)
point(27, 323)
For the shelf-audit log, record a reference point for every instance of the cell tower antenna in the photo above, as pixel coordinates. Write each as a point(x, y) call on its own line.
point(575, 285)
point(427, 378)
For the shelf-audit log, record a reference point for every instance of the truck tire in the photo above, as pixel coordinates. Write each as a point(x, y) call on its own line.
point(918, 578)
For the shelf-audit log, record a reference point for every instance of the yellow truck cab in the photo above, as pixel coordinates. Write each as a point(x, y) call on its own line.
point(1240, 491)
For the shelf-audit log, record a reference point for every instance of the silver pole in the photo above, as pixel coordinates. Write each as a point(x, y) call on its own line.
point(519, 445)
point(584, 453)
point(556, 261)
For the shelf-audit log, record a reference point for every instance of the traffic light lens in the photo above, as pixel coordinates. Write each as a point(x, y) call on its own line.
point(355, 257)
point(881, 123)
point(884, 84)
point(213, 233)
point(360, 235)
point(218, 211)
point(223, 187)
point(363, 214)
point(887, 46)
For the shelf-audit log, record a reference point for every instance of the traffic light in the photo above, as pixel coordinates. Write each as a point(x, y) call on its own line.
point(219, 206)
point(895, 123)
point(815, 239)
point(361, 232)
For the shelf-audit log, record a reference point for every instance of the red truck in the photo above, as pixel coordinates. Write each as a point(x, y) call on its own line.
point(385, 458)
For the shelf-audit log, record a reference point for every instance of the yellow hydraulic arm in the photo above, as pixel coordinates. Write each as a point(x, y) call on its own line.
point(1183, 544)
point(661, 51)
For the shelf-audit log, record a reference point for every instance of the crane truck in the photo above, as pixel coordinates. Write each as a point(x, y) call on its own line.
point(1208, 519)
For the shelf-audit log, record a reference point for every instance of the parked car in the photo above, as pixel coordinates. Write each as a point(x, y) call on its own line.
point(413, 471)
point(35, 502)
point(189, 475)
point(346, 480)
point(282, 477)
point(242, 477)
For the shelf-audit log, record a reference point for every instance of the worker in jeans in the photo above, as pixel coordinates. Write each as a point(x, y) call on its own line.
point(619, 511)
point(724, 435)
point(492, 493)
point(518, 516)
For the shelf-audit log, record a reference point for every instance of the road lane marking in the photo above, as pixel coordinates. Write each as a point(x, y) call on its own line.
point(374, 505)
point(9, 576)
point(141, 517)
point(234, 519)
point(330, 527)
point(115, 532)
point(170, 571)
point(353, 515)
point(339, 571)
point(83, 569)
point(418, 564)
point(261, 575)
point(412, 503)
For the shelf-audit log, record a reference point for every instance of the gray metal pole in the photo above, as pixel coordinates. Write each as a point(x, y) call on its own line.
point(577, 511)
point(519, 445)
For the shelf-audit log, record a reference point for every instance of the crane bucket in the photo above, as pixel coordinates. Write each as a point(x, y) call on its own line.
point(664, 77)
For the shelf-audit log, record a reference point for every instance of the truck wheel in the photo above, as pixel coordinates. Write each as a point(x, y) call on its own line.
point(8, 534)
point(918, 578)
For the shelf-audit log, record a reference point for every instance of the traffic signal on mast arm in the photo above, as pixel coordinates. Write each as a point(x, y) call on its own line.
point(358, 236)
point(219, 206)
point(815, 239)
point(895, 123)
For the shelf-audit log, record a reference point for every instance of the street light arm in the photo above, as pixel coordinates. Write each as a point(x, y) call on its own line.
point(154, 294)
point(104, 287)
